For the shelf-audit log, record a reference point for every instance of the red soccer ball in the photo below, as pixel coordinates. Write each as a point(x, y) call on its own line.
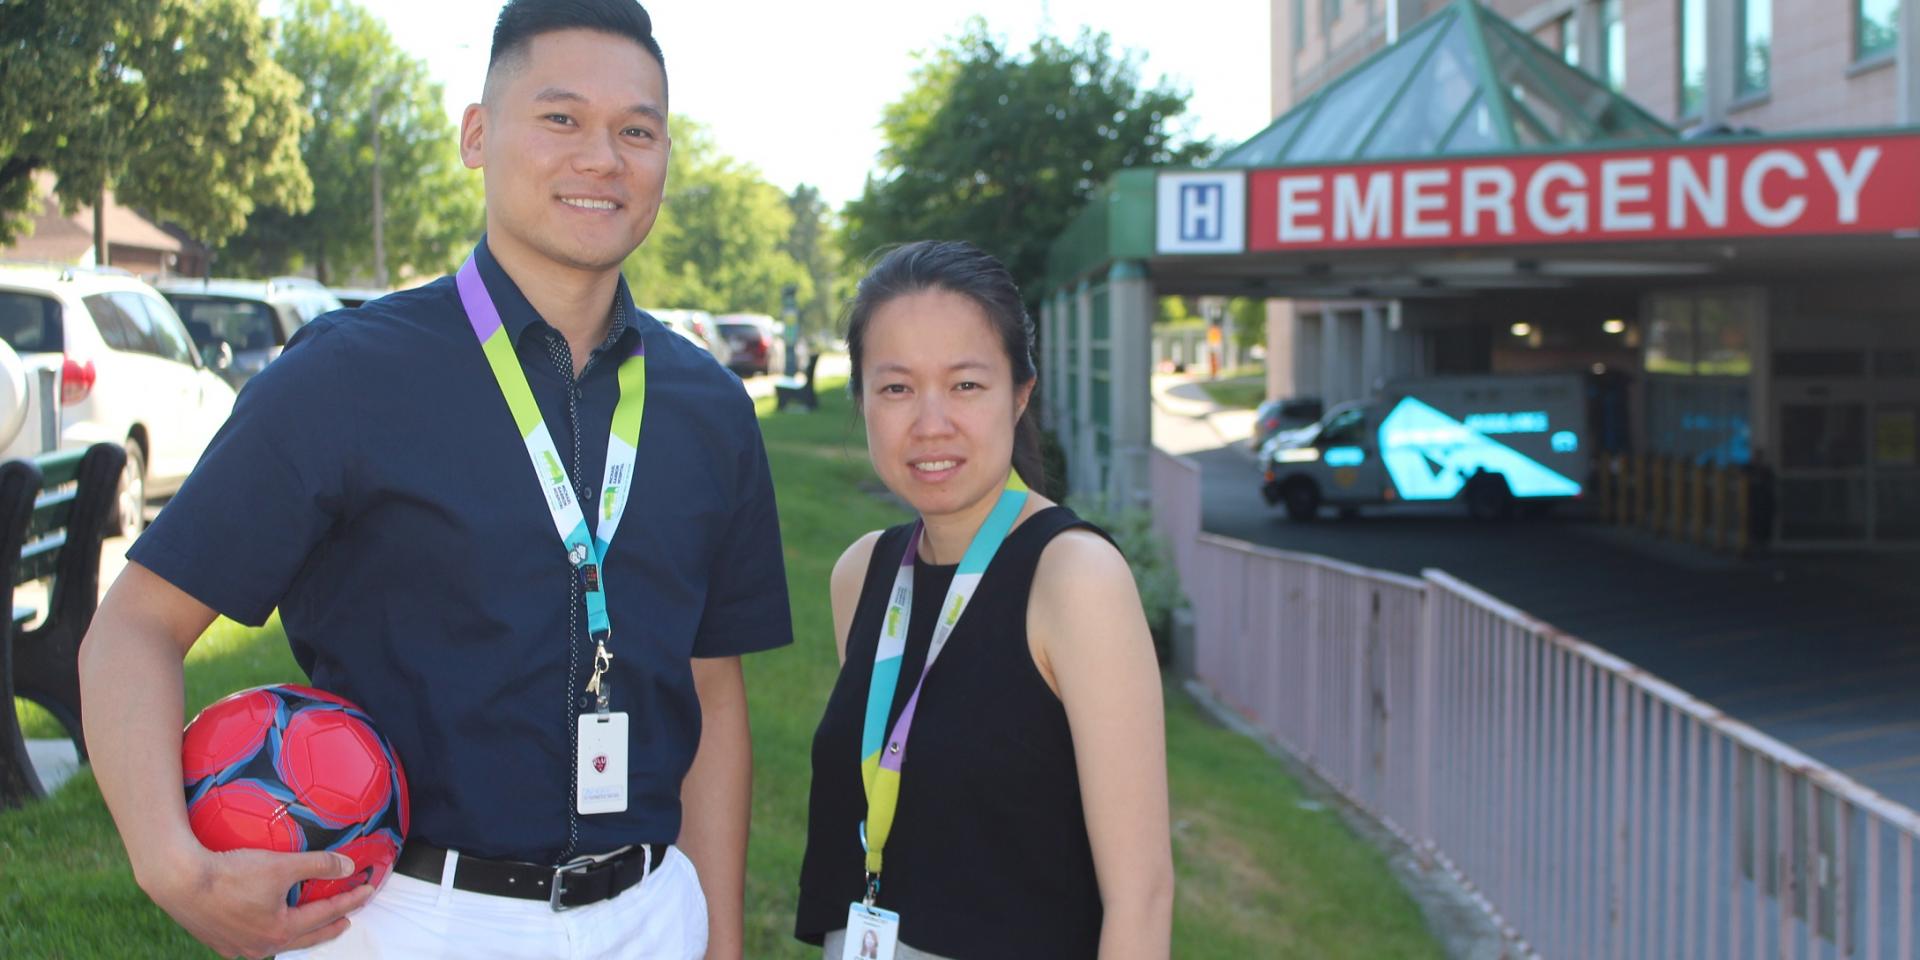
point(290, 769)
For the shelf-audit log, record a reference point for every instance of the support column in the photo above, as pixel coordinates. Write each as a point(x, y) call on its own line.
point(1307, 347)
point(1044, 396)
point(1593, 40)
point(1062, 350)
point(1722, 43)
point(1907, 62)
point(1130, 305)
point(1084, 473)
point(1373, 348)
point(1280, 379)
point(1332, 384)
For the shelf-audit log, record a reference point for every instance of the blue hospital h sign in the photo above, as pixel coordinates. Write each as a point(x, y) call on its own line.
point(1202, 208)
point(1199, 212)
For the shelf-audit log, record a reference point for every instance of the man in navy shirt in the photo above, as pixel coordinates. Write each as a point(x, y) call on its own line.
point(397, 484)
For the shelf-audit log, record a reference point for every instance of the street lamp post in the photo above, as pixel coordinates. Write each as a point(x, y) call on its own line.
point(379, 211)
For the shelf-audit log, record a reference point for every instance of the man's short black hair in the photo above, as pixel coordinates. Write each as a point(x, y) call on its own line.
point(522, 20)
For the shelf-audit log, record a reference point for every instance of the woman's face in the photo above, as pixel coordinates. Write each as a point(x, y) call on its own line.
point(939, 400)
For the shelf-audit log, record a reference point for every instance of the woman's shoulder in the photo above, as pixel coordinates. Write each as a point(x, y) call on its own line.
point(850, 571)
point(851, 568)
point(1079, 563)
point(1064, 535)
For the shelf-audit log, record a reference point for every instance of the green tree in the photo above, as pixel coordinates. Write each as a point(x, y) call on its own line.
point(1249, 322)
point(1003, 149)
point(811, 245)
point(356, 74)
point(174, 104)
point(719, 243)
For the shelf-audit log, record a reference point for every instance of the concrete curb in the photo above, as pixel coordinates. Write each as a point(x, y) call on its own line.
point(1454, 915)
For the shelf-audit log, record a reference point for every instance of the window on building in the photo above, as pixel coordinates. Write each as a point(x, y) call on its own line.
point(1299, 25)
point(1876, 27)
point(1613, 40)
point(1570, 39)
point(1693, 56)
point(1330, 13)
point(1753, 27)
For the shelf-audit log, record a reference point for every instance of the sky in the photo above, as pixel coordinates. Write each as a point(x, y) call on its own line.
point(797, 89)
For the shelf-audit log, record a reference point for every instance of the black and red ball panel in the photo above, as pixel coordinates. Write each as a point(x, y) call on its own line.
point(289, 768)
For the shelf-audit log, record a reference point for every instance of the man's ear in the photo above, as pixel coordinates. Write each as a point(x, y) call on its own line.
point(472, 134)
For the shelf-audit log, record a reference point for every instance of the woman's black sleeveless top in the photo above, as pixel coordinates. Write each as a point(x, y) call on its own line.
point(989, 854)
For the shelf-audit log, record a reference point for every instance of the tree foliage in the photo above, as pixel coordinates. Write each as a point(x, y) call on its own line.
point(434, 205)
point(720, 242)
point(175, 104)
point(1003, 148)
point(811, 245)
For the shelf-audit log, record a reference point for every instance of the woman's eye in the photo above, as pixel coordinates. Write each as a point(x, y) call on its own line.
point(893, 388)
point(967, 385)
point(560, 118)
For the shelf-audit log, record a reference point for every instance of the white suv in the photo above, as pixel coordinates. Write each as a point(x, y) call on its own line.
point(125, 372)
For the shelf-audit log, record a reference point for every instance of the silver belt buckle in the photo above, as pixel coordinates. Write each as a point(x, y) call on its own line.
point(554, 889)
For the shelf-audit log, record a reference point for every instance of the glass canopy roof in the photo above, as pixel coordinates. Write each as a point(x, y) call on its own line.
point(1462, 81)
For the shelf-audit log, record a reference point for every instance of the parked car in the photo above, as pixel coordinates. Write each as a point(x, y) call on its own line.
point(1289, 413)
point(698, 326)
point(125, 372)
point(355, 296)
point(750, 338)
point(253, 318)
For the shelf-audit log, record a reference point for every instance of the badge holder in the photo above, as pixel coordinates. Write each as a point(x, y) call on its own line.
point(601, 761)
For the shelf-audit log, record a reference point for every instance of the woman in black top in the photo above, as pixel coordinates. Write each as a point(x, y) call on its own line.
point(1031, 816)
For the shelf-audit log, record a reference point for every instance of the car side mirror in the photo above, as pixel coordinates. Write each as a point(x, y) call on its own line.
point(217, 354)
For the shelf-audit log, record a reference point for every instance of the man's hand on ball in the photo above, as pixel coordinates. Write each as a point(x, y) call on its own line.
point(236, 902)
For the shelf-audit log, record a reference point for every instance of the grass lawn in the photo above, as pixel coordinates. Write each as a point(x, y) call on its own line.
point(1258, 874)
point(1243, 387)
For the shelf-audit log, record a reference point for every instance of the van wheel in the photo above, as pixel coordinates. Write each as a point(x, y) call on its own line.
point(1489, 498)
point(1302, 500)
point(130, 503)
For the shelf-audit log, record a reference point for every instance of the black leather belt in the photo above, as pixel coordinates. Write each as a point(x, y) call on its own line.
point(584, 881)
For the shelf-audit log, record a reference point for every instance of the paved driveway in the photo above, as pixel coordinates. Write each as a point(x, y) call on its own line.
point(1820, 651)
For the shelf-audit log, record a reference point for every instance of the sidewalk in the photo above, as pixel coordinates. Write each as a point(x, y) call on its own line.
point(1186, 420)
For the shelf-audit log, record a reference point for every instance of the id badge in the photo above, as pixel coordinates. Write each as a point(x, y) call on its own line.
point(602, 763)
point(872, 933)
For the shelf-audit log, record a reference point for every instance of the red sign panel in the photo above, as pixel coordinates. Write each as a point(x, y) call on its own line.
point(1779, 188)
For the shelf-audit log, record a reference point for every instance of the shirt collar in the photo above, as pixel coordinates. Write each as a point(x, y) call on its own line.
point(517, 315)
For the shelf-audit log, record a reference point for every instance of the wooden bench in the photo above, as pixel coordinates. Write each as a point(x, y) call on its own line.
point(54, 511)
point(796, 390)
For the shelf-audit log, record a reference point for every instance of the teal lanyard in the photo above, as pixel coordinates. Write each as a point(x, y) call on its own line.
point(586, 552)
point(880, 770)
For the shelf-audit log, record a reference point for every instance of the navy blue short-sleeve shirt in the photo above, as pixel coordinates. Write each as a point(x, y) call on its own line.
point(371, 484)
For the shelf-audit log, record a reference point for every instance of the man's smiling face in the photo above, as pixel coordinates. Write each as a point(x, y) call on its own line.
point(573, 140)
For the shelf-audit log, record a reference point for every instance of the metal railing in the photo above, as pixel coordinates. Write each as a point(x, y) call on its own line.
point(1706, 504)
point(1595, 810)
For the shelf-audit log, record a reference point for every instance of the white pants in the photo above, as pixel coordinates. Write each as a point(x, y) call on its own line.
point(663, 918)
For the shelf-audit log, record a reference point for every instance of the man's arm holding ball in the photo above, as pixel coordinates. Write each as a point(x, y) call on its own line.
point(132, 680)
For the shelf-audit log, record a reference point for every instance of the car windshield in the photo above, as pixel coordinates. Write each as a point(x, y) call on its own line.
point(246, 324)
point(739, 330)
point(1343, 427)
point(30, 323)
